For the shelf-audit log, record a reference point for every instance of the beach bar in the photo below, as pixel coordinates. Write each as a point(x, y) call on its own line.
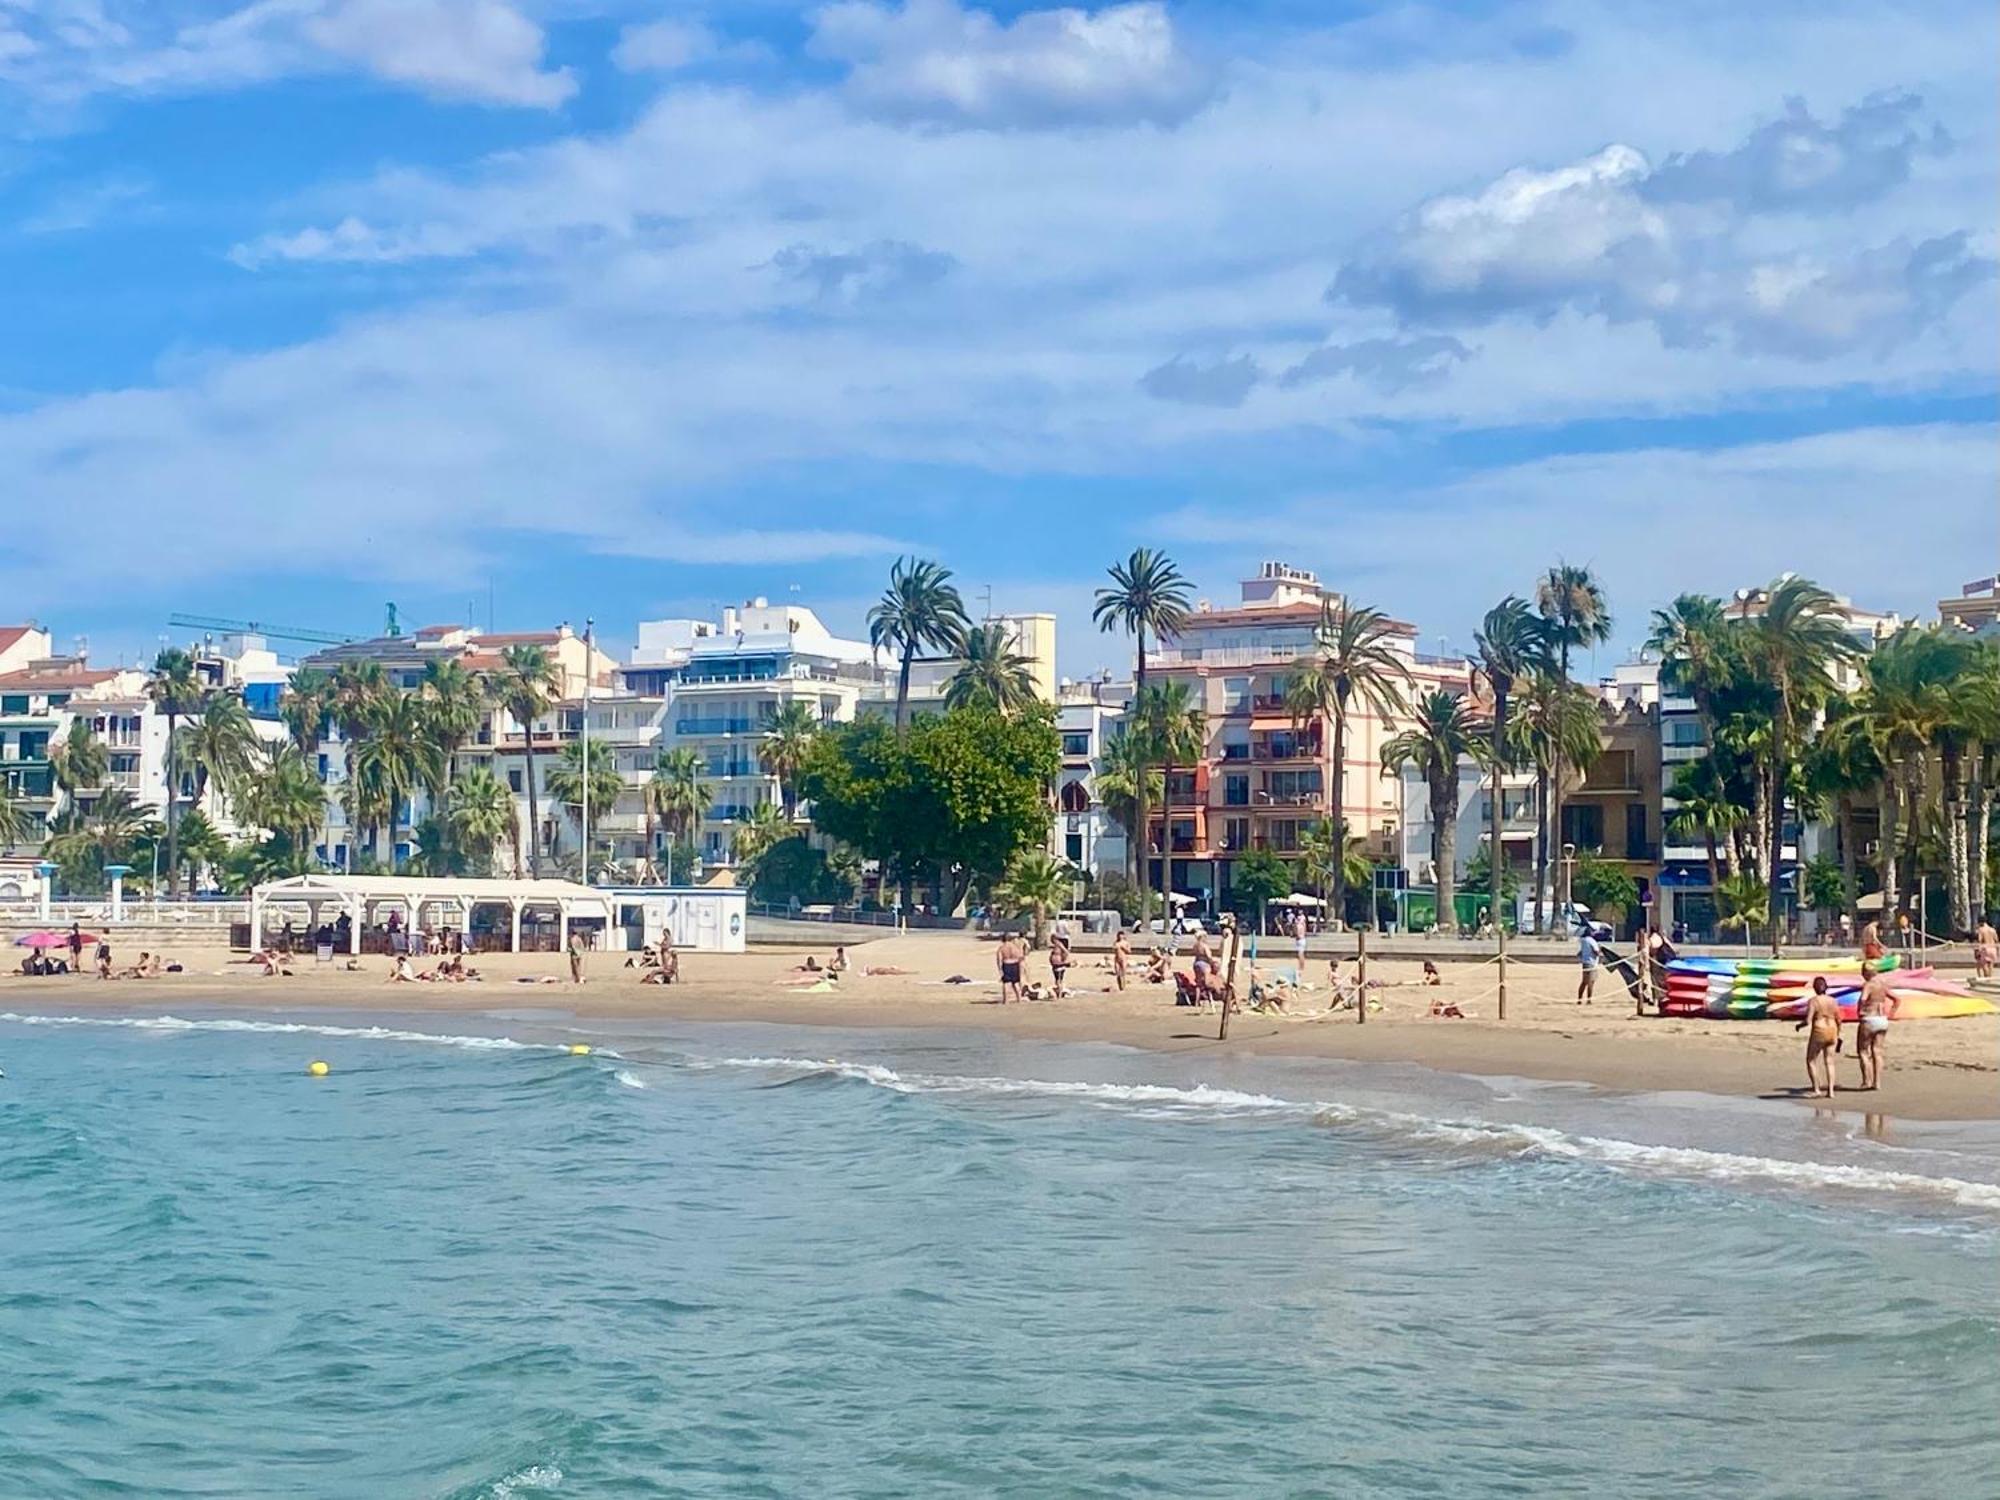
point(505, 916)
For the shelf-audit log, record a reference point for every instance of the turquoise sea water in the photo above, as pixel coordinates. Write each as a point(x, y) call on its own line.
point(766, 1262)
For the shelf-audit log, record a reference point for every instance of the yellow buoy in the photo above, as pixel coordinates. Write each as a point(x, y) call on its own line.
point(579, 1049)
point(317, 1068)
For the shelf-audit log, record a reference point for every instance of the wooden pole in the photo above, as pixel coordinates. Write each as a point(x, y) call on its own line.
point(1361, 976)
point(1500, 927)
point(1234, 941)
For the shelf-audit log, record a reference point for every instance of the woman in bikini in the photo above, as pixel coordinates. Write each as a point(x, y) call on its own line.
point(1822, 1028)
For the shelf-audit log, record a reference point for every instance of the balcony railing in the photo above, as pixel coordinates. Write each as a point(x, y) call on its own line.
point(1307, 751)
point(1268, 703)
point(718, 726)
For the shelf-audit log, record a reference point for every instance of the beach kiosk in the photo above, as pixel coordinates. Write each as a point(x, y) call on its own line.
point(371, 912)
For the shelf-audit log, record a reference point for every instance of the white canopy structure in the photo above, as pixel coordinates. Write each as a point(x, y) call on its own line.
point(363, 899)
point(1299, 898)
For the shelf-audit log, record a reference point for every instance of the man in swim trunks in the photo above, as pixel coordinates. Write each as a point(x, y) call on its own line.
point(1876, 1007)
point(1204, 965)
point(1985, 950)
point(1121, 957)
point(1822, 1028)
point(1058, 962)
point(1008, 958)
point(1587, 958)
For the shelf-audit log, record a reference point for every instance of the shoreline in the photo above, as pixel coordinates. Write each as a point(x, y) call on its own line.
point(1938, 1070)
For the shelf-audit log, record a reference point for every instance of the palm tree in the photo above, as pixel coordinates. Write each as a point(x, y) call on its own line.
point(1147, 592)
point(176, 692)
point(287, 797)
point(1171, 729)
point(353, 689)
point(16, 822)
point(1557, 730)
point(675, 795)
point(1125, 782)
point(1512, 643)
point(1571, 601)
point(527, 685)
point(920, 608)
point(480, 811)
point(1698, 655)
point(1746, 902)
point(79, 759)
point(1443, 734)
point(788, 738)
point(757, 830)
point(202, 846)
point(1840, 766)
point(1333, 856)
point(83, 844)
point(304, 708)
point(218, 746)
point(1704, 811)
point(1795, 644)
point(394, 760)
point(1039, 883)
point(455, 703)
point(993, 676)
point(1353, 657)
point(573, 773)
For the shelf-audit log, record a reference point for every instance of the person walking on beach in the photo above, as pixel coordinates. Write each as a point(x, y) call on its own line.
point(75, 949)
point(1059, 962)
point(1874, 1009)
point(1588, 956)
point(1871, 940)
point(1121, 958)
point(1008, 958)
point(1299, 942)
point(1985, 949)
point(1822, 1028)
point(576, 958)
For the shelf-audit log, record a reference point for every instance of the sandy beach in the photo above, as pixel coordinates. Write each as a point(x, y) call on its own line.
point(1937, 1069)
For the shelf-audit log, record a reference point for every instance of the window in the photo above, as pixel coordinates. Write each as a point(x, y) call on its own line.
point(1074, 798)
point(1684, 732)
point(1583, 825)
point(514, 782)
point(1236, 835)
point(1180, 787)
point(1635, 832)
point(1235, 791)
point(1076, 743)
point(1285, 837)
point(1073, 848)
point(1235, 694)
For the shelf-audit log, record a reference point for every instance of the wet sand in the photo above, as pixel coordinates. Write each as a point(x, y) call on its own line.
point(1943, 1070)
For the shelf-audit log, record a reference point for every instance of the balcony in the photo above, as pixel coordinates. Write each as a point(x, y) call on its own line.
point(1289, 799)
point(1184, 843)
point(1269, 703)
point(719, 726)
point(1304, 751)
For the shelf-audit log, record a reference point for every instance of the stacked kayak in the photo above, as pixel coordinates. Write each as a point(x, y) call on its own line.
point(1752, 989)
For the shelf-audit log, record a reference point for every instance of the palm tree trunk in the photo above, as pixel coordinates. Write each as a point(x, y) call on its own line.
point(1958, 883)
point(1714, 863)
point(1551, 805)
point(173, 822)
point(903, 686)
point(1444, 847)
point(1166, 839)
point(1887, 846)
point(1543, 792)
point(534, 810)
point(1979, 832)
point(1850, 874)
point(1774, 899)
point(1495, 856)
point(1139, 793)
point(1337, 804)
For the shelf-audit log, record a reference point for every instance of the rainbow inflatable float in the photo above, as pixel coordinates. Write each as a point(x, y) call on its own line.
point(1753, 989)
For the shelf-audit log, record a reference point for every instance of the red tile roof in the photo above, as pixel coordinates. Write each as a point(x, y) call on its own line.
point(9, 634)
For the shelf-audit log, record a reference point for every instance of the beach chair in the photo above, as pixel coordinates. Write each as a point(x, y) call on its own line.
point(1185, 990)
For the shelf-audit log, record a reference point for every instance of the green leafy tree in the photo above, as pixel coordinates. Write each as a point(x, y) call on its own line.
point(17, 824)
point(285, 795)
point(1604, 887)
point(675, 797)
point(1823, 884)
point(1745, 902)
point(1443, 734)
point(993, 675)
point(81, 844)
point(1147, 595)
point(1556, 730)
point(791, 869)
point(176, 692)
point(920, 610)
point(1126, 782)
point(218, 747)
point(1256, 879)
point(756, 831)
point(1355, 655)
point(527, 684)
point(957, 795)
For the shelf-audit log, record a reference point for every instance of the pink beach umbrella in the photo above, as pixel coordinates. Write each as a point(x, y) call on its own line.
point(46, 939)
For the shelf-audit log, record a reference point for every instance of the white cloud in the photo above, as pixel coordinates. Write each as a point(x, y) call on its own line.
point(481, 50)
point(934, 61)
point(663, 46)
point(1612, 237)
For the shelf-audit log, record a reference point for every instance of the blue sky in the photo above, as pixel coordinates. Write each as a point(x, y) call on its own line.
point(629, 309)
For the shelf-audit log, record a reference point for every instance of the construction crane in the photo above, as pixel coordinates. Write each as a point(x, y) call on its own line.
point(258, 627)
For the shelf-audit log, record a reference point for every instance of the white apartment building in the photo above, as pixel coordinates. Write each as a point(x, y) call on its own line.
point(1088, 716)
point(724, 681)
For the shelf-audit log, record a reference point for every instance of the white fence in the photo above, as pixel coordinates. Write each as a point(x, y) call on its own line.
point(193, 914)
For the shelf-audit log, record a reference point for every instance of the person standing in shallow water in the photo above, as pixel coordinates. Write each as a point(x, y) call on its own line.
point(1822, 1028)
point(1871, 1036)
